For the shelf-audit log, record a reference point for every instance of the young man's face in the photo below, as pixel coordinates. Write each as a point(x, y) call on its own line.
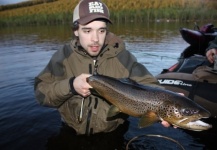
point(92, 36)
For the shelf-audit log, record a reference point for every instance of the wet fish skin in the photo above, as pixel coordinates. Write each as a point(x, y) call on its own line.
point(151, 104)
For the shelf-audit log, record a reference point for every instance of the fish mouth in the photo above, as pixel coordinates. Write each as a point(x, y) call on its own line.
point(200, 124)
point(195, 125)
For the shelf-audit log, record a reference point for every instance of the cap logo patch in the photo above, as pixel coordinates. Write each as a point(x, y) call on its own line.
point(96, 7)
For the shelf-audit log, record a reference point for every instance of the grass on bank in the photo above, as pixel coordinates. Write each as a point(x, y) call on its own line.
point(60, 11)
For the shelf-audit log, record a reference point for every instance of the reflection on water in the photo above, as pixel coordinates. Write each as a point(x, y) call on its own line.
point(25, 125)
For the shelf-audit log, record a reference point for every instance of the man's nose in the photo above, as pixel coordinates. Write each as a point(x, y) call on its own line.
point(95, 37)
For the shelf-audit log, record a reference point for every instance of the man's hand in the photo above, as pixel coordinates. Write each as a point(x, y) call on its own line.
point(81, 86)
point(210, 53)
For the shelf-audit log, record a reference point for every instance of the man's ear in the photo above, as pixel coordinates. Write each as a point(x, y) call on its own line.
point(76, 33)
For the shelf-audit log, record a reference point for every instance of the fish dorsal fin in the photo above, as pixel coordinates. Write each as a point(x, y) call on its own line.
point(148, 119)
point(113, 111)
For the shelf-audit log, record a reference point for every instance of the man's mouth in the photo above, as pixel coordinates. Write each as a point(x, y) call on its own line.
point(94, 48)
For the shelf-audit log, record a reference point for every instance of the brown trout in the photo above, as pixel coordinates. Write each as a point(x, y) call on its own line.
point(149, 103)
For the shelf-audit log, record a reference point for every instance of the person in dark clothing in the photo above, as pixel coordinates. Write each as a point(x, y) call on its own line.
point(212, 50)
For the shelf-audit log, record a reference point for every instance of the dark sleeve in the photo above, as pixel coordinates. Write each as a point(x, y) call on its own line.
point(212, 44)
point(51, 86)
point(138, 72)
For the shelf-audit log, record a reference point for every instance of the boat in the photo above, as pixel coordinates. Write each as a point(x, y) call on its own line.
point(199, 37)
point(193, 75)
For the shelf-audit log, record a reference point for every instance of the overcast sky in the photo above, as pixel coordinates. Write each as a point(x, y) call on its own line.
point(5, 2)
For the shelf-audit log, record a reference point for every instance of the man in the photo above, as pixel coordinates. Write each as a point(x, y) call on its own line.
point(212, 50)
point(62, 84)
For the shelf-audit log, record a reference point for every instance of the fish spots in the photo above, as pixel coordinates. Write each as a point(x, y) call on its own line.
point(138, 100)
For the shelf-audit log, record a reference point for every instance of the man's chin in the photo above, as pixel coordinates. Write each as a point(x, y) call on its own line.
point(93, 53)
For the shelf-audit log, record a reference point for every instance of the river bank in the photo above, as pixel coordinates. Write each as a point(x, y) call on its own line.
point(46, 12)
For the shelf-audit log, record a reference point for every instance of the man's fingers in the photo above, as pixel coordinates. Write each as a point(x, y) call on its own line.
point(86, 94)
point(165, 123)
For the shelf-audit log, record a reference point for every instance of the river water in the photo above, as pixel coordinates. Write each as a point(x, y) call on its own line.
point(25, 125)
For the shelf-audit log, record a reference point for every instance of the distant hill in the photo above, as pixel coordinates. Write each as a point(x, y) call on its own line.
point(7, 2)
point(5, 5)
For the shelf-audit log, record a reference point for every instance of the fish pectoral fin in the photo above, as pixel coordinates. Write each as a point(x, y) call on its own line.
point(113, 111)
point(148, 119)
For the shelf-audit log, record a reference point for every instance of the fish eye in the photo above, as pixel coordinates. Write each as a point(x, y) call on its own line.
point(195, 111)
point(187, 112)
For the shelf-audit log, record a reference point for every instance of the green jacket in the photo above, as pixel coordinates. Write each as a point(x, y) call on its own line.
point(52, 87)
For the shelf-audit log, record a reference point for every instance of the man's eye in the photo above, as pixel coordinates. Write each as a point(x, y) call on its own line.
point(102, 31)
point(86, 31)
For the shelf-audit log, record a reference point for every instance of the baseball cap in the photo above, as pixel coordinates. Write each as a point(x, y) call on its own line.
point(89, 10)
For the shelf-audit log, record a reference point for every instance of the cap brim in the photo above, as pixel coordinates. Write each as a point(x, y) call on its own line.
point(88, 19)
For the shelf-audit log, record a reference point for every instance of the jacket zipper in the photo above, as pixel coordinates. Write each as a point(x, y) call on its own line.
point(95, 67)
point(89, 115)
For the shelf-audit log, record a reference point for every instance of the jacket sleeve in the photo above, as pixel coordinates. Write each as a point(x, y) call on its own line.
point(212, 44)
point(52, 85)
point(137, 71)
